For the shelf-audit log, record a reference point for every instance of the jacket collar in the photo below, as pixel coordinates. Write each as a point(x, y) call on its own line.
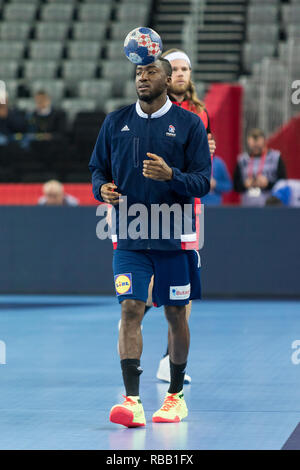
point(159, 113)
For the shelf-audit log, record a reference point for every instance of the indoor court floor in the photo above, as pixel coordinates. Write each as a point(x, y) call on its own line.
point(62, 375)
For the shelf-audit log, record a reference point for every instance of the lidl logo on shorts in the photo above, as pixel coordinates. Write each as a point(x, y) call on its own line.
point(180, 292)
point(123, 283)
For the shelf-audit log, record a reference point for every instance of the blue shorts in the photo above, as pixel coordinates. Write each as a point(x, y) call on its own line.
point(176, 275)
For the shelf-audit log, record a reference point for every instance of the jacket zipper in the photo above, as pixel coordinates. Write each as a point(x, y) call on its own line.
point(148, 150)
point(136, 144)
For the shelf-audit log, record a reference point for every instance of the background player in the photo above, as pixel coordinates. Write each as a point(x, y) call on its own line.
point(182, 92)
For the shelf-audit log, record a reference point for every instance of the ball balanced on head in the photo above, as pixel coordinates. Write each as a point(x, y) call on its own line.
point(142, 46)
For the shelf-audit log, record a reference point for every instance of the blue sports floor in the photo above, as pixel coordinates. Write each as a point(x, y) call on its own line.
point(62, 375)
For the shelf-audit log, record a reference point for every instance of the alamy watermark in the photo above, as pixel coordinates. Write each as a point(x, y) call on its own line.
point(295, 357)
point(154, 222)
point(2, 352)
point(296, 94)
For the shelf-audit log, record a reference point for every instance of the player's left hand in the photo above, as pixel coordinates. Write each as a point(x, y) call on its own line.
point(211, 143)
point(156, 168)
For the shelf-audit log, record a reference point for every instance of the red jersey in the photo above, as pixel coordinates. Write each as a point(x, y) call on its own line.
point(203, 115)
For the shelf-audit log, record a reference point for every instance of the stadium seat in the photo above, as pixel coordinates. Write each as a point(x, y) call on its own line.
point(9, 69)
point(98, 90)
point(84, 50)
point(25, 104)
point(200, 89)
point(12, 88)
point(115, 50)
point(14, 31)
point(11, 50)
point(35, 2)
point(270, 2)
point(46, 50)
point(86, 31)
point(20, 12)
point(269, 33)
point(51, 31)
point(130, 90)
point(94, 12)
point(133, 12)
point(55, 87)
point(34, 69)
point(57, 12)
point(255, 52)
point(117, 69)
point(262, 14)
point(72, 106)
point(116, 103)
point(291, 14)
point(293, 31)
point(120, 29)
point(79, 69)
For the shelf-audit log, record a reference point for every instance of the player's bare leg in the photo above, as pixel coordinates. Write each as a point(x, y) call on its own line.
point(131, 412)
point(179, 333)
point(174, 408)
point(130, 335)
point(163, 372)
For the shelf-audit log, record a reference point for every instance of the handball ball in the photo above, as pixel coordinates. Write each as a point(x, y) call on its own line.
point(142, 46)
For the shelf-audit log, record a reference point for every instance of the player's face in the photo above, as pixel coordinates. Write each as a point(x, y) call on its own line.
point(181, 77)
point(256, 146)
point(151, 81)
point(54, 198)
point(42, 101)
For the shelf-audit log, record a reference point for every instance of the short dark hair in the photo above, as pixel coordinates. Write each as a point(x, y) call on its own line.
point(41, 92)
point(256, 133)
point(166, 66)
point(273, 201)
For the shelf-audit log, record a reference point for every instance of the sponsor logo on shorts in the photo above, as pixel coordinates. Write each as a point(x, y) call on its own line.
point(123, 283)
point(180, 292)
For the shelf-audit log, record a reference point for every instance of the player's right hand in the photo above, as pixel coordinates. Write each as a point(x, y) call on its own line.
point(109, 194)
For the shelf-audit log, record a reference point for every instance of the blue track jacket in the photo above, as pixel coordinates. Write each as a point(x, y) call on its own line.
point(176, 135)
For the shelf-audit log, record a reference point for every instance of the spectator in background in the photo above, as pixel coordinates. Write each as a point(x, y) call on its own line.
point(257, 170)
point(12, 121)
point(47, 120)
point(54, 195)
point(220, 182)
point(285, 193)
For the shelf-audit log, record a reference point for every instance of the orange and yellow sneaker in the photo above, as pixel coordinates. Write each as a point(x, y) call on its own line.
point(129, 414)
point(174, 409)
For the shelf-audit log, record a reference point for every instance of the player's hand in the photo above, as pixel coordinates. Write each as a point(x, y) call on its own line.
point(262, 181)
point(109, 194)
point(213, 184)
point(211, 144)
point(248, 183)
point(156, 168)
